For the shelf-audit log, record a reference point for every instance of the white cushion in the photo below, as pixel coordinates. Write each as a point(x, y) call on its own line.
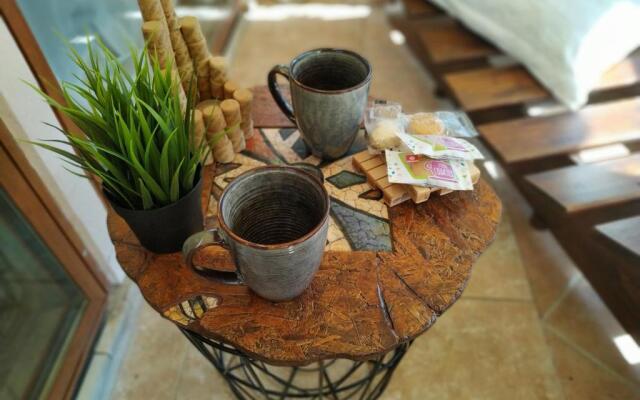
point(566, 44)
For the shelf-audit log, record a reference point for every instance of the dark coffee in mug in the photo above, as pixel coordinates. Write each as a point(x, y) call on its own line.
point(330, 71)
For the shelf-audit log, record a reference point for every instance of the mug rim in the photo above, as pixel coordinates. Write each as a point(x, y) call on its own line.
point(300, 56)
point(227, 230)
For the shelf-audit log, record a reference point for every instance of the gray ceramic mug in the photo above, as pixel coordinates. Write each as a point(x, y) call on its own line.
point(329, 90)
point(274, 221)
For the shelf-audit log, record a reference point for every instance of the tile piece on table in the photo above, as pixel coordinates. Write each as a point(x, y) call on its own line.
point(286, 132)
point(363, 231)
point(584, 320)
point(582, 379)
point(344, 179)
point(283, 146)
point(301, 149)
point(479, 349)
point(499, 273)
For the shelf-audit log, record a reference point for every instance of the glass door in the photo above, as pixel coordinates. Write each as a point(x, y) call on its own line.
point(50, 300)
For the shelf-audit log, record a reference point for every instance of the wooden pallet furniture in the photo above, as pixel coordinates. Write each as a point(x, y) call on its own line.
point(594, 212)
point(487, 93)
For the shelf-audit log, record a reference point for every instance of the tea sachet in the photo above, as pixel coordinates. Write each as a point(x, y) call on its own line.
point(417, 169)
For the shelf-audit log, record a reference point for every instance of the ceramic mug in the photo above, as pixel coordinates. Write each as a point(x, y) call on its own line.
point(329, 91)
point(274, 221)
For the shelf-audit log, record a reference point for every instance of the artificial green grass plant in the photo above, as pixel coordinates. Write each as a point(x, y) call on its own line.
point(137, 139)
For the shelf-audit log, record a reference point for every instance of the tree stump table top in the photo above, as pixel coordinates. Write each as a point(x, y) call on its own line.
point(386, 275)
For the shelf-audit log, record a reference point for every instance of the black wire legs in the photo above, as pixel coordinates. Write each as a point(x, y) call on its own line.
point(336, 379)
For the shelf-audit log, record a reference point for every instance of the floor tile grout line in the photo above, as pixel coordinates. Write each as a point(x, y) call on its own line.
point(585, 353)
point(565, 292)
point(497, 299)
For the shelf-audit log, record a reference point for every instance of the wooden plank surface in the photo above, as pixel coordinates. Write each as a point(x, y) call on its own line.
point(590, 186)
point(420, 9)
point(448, 41)
point(531, 138)
point(487, 88)
point(624, 233)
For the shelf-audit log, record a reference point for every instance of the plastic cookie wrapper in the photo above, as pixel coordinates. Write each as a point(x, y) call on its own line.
point(417, 169)
point(448, 123)
point(437, 146)
point(383, 122)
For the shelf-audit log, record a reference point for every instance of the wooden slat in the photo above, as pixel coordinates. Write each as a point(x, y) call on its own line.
point(533, 138)
point(448, 42)
point(487, 88)
point(420, 9)
point(590, 186)
point(624, 233)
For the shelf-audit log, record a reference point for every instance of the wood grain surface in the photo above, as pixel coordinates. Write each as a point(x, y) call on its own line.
point(360, 305)
point(589, 186)
point(624, 233)
point(486, 88)
point(536, 138)
point(447, 41)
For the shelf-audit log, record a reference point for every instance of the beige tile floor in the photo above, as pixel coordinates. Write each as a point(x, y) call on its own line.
point(527, 327)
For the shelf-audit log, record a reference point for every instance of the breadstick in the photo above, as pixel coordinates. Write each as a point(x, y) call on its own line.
point(245, 98)
point(218, 140)
point(192, 34)
point(231, 110)
point(180, 50)
point(151, 10)
point(199, 131)
point(217, 76)
point(229, 88)
point(159, 45)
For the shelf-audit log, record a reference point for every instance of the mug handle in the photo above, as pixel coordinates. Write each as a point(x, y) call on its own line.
point(275, 90)
point(207, 238)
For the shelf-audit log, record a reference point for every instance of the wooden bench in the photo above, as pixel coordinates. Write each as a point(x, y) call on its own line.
point(547, 141)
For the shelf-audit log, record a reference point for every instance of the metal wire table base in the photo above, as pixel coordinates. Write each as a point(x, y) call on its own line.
point(336, 379)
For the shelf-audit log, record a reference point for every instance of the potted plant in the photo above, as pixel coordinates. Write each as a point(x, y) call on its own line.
point(138, 142)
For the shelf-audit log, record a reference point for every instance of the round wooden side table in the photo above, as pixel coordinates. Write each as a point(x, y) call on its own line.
point(386, 276)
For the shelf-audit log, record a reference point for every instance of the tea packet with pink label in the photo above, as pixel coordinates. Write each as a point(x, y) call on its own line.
point(417, 169)
point(436, 146)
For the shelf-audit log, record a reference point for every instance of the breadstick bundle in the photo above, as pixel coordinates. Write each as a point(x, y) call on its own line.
point(159, 45)
point(217, 76)
point(199, 53)
point(216, 134)
point(244, 97)
point(180, 49)
point(231, 110)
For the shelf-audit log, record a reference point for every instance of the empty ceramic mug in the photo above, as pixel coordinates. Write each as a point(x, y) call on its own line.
point(329, 91)
point(274, 221)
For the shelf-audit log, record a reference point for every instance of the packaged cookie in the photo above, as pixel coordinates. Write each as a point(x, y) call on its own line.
point(416, 169)
point(449, 123)
point(383, 122)
point(439, 146)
